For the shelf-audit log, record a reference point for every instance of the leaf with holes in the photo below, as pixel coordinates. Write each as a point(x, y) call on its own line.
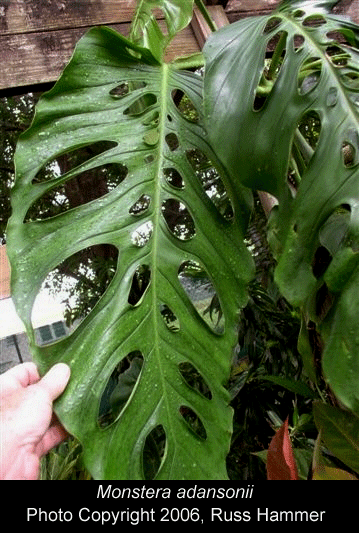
point(282, 109)
point(149, 364)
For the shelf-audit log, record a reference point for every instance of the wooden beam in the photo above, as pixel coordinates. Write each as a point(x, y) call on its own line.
point(39, 57)
point(36, 57)
point(21, 16)
point(353, 11)
point(237, 9)
point(248, 7)
point(37, 37)
point(200, 27)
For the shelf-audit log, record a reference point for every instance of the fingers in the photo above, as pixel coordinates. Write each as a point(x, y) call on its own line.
point(53, 436)
point(21, 375)
point(56, 379)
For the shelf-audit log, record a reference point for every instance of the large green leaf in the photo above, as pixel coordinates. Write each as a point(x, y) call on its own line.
point(256, 112)
point(146, 31)
point(117, 92)
point(340, 432)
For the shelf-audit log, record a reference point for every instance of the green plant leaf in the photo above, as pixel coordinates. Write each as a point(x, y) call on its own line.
point(146, 31)
point(327, 473)
point(257, 113)
point(114, 91)
point(297, 387)
point(339, 431)
point(315, 6)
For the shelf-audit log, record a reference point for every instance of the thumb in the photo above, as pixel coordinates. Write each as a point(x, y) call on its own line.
point(55, 380)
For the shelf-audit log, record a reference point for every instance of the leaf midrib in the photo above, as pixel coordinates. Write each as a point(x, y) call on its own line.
point(164, 74)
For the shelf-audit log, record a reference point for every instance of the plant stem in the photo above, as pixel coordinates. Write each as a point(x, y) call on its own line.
point(195, 60)
point(304, 147)
point(207, 17)
point(277, 56)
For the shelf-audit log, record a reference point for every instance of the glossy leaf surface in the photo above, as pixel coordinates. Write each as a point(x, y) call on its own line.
point(116, 92)
point(340, 433)
point(258, 111)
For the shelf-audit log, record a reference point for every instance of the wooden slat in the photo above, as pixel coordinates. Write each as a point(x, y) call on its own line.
point(21, 16)
point(237, 9)
point(245, 7)
point(37, 37)
point(353, 11)
point(200, 27)
point(33, 58)
point(183, 44)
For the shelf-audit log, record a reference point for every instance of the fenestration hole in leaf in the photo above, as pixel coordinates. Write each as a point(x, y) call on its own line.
point(153, 452)
point(194, 379)
point(275, 51)
point(211, 182)
point(298, 42)
point(321, 261)
point(305, 142)
point(202, 295)
point(149, 159)
point(348, 153)
point(310, 128)
point(120, 385)
point(169, 318)
point(272, 24)
point(323, 301)
point(278, 40)
point(341, 37)
point(337, 55)
point(178, 219)
point(140, 283)
point(76, 285)
point(314, 21)
point(193, 422)
point(185, 105)
point(172, 141)
point(299, 13)
point(85, 187)
point(126, 88)
point(142, 235)
point(141, 105)
point(309, 75)
point(141, 206)
point(174, 178)
point(71, 159)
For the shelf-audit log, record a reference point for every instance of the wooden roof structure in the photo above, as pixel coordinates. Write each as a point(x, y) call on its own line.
point(37, 37)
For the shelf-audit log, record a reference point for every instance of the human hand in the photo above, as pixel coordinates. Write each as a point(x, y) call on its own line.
point(28, 426)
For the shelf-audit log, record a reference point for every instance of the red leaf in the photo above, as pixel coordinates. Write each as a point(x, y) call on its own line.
point(281, 464)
